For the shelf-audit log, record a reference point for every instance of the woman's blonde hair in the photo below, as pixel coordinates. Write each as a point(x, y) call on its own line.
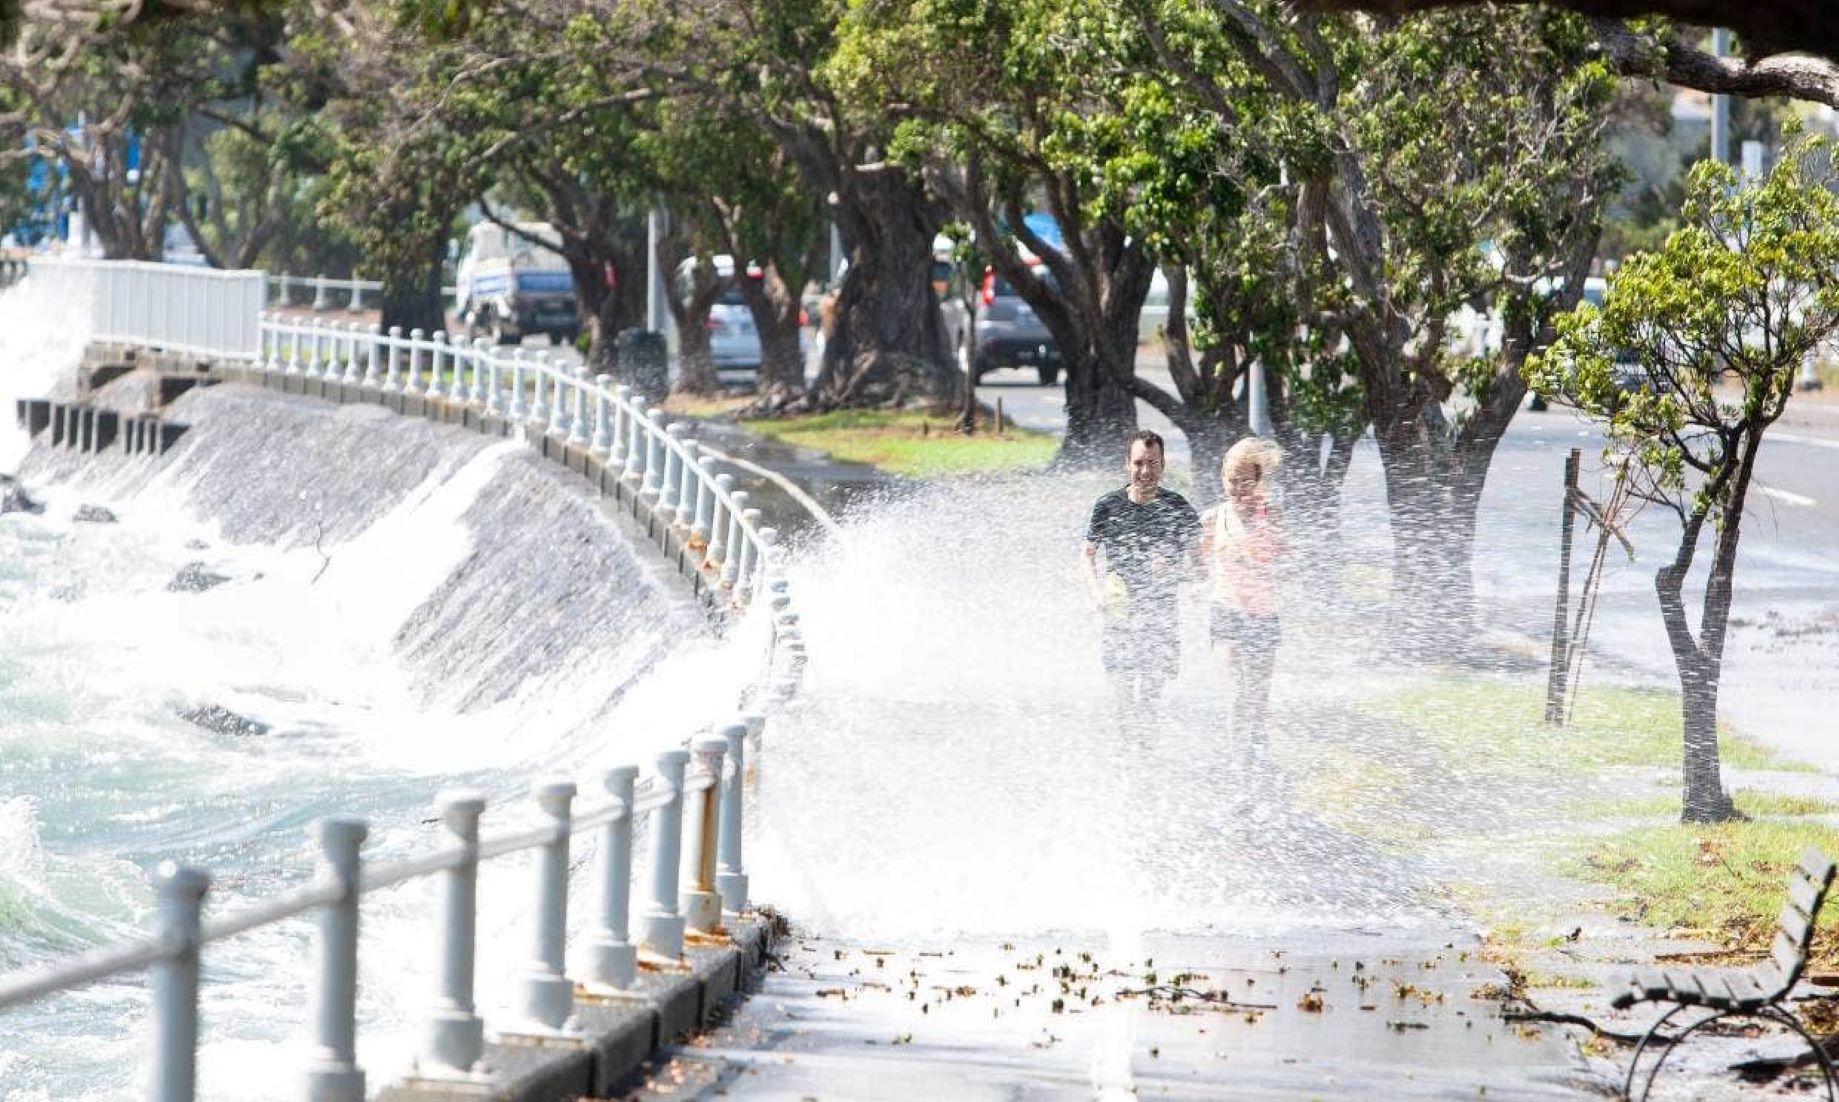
point(1262, 453)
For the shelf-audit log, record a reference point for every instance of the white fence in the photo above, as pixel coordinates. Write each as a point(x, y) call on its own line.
point(660, 468)
point(178, 307)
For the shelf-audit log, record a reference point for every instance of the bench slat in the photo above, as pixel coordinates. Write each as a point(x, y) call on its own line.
point(1652, 983)
point(1804, 892)
point(1747, 990)
point(1789, 957)
point(1796, 926)
point(1817, 865)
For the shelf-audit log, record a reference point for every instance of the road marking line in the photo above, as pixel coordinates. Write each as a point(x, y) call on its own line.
point(1785, 497)
point(1815, 441)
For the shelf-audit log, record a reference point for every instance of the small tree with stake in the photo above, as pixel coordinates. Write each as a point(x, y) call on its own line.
point(1716, 324)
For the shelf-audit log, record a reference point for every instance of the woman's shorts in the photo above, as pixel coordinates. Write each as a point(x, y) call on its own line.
point(1253, 634)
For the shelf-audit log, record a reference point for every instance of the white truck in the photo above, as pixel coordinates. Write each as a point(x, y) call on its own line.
point(507, 287)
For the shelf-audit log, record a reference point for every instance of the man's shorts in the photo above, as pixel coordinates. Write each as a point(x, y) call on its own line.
point(1255, 635)
point(1143, 638)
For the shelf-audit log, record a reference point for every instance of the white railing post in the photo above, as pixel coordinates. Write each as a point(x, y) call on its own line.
point(612, 959)
point(354, 372)
point(549, 995)
point(332, 1073)
point(686, 492)
point(737, 540)
point(293, 349)
point(616, 451)
point(539, 409)
point(558, 401)
point(414, 365)
point(705, 500)
point(638, 444)
point(662, 925)
point(180, 891)
point(671, 480)
point(577, 425)
point(750, 557)
point(286, 291)
point(519, 408)
point(312, 363)
point(701, 906)
point(395, 362)
point(373, 373)
point(322, 295)
point(271, 341)
point(357, 294)
point(603, 429)
point(654, 452)
point(494, 386)
point(483, 355)
point(456, 1035)
point(720, 524)
point(731, 877)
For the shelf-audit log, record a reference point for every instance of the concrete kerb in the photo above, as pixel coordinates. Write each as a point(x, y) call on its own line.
point(611, 1033)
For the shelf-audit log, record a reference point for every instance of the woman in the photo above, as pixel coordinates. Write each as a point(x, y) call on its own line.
point(1242, 540)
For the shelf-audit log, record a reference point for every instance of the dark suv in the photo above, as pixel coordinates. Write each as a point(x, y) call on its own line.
point(1008, 334)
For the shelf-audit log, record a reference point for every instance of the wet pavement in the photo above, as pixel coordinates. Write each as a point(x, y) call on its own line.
point(1197, 1016)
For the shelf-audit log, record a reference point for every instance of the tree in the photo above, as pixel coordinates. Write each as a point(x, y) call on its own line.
point(1455, 161)
point(1776, 35)
point(1691, 358)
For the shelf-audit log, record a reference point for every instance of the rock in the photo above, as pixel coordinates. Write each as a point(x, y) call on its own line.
point(14, 499)
point(93, 514)
point(223, 721)
point(194, 578)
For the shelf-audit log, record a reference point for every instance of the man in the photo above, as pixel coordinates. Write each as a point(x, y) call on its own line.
point(1148, 537)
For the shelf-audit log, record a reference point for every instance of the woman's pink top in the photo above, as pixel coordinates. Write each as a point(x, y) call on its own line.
point(1243, 558)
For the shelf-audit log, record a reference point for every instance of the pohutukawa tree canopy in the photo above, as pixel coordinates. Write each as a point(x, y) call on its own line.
point(1690, 360)
point(1785, 47)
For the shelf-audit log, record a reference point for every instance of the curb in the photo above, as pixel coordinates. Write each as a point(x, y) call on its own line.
point(614, 1033)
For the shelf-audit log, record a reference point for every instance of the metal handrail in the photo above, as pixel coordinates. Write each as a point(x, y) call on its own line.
point(709, 794)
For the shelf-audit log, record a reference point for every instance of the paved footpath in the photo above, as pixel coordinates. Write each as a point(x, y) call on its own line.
point(1197, 1017)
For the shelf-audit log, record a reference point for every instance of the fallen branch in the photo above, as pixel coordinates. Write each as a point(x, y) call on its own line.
point(1172, 993)
point(1532, 1013)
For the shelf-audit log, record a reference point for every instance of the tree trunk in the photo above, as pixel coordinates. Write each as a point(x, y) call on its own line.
point(413, 300)
point(775, 306)
point(889, 345)
point(1432, 515)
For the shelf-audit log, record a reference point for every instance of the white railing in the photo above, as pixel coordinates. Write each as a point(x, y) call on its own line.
point(657, 460)
point(283, 286)
point(201, 311)
point(662, 470)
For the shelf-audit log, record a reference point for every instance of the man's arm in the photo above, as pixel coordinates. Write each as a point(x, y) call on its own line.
point(1088, 562)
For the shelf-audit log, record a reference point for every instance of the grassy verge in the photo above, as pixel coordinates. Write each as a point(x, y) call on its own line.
point(1722, 882)
point(912, 443)
point(1504, 721)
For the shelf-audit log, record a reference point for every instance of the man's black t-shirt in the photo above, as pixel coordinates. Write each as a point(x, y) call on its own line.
point(1146, 544)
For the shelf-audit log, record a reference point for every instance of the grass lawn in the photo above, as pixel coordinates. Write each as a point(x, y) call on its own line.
point(912, 443)
point(1609, 727)
point(1723, 882)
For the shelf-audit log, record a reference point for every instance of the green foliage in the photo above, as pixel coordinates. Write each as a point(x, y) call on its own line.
point(1695, 349)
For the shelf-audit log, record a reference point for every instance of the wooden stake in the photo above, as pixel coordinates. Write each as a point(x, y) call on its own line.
point(1560, 668)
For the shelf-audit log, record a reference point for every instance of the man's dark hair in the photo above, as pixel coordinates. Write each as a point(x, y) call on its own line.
point(1153, 439)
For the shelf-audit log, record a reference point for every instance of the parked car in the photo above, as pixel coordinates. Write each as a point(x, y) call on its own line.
point(506, 287)
point(1007, 333)
point(734, 341)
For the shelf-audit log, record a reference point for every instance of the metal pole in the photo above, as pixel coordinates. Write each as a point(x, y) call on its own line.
point(332, 1073)
point(731, 877)
point(1257, 398)
point(654, 277)
point(612, 960)
point(549, 995)
point(180, 891)
point(702, 907)
point(1561, 644)
point(661, 925)
point(1720, 104)
point(456, 1034)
